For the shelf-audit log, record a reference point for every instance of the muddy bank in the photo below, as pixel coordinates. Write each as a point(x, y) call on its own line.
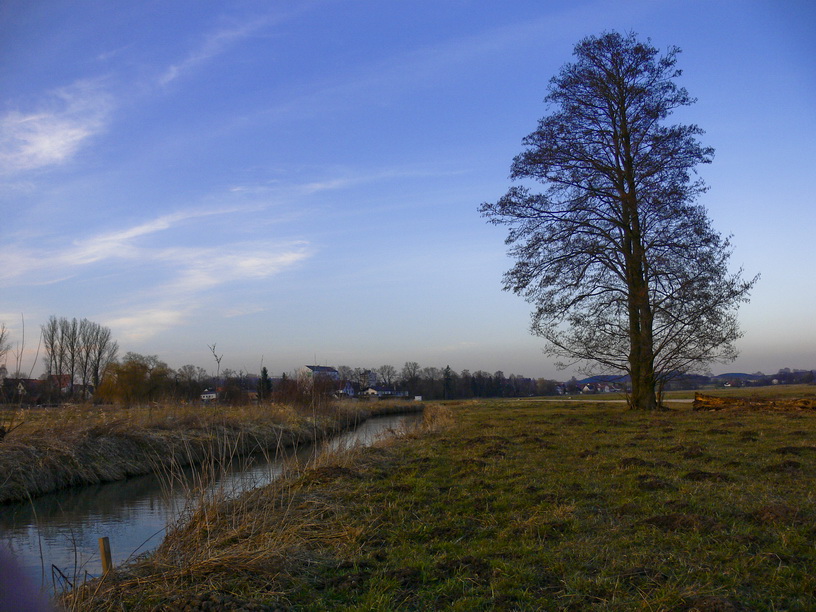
point(42, 461)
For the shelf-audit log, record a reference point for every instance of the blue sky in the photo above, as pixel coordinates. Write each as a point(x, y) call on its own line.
point(298, 182)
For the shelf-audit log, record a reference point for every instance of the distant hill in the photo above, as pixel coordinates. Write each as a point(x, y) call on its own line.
point(605, 378)
point(737, 376)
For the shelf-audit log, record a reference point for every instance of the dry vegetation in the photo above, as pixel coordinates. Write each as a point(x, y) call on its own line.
point(516, 505)
point(50, 448)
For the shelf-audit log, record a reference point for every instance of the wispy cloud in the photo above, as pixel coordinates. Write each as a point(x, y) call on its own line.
point(56, 131)
point(196, 274)
point(147, 322)
point(385, 77)
point(201, 269)
point(121, 243)
point(340, 178)
point(183, 275)
point(214, 44)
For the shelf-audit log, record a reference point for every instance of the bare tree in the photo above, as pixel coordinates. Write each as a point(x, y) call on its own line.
point(410, 376)
point(217, 360)
point(346, 373)
point(54, 347)
point(5, 343)
point(623, 268)
point(387, 374)
point(104, 354)
point(77, 349)
point(98, 349)
point(69, 332)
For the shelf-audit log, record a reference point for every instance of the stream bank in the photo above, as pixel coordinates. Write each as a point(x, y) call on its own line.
point(92, 445)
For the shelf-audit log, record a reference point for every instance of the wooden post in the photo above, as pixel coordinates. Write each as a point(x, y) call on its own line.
point(105, 553)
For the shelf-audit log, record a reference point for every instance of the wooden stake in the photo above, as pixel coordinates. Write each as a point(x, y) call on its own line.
point(105, 553)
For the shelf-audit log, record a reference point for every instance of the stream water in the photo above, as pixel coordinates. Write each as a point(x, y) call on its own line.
point(61, 530)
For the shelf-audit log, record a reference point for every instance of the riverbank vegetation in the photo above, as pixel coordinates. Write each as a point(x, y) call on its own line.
point(512, 504)
point(47, 449)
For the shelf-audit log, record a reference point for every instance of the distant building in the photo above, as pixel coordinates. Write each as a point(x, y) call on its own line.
point(315, 371)
point(383, 392)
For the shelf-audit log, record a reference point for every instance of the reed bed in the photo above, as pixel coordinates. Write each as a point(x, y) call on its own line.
point(53, 448)
point(224, 549)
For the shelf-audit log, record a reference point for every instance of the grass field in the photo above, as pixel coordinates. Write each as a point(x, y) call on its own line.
point(517, 505)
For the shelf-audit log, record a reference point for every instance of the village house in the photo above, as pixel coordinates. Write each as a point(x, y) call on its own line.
point(310, 372)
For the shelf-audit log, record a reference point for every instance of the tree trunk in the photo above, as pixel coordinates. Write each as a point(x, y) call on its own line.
point(641, 348)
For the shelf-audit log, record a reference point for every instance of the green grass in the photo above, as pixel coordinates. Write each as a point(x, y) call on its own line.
point(519, 505)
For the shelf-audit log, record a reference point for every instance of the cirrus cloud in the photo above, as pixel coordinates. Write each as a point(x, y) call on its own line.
point(66, 120)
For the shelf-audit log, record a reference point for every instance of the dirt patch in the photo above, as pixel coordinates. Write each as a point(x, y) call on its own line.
point(214, 600)
point(711, 603)
point(688, 452)
point(490, 439)
point(682, 522)
point(650, 482)
point(641, 574)
point(789, 466)
point(496, 452)
point(774, 513)
point(328, 473)
point(794, 450)
point(628, 462)
point(702, 476)
point(470, 565)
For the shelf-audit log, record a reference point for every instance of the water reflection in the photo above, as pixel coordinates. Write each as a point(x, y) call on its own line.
point(63, 528)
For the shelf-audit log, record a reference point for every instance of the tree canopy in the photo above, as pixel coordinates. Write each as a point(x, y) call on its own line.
point(621, 264)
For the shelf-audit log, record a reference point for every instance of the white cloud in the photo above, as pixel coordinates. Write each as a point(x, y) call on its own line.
point(340, 178)
point(201, 269)
point(146, 323)
point(198, 272)
point(52, 135)
point(180, 279)
point(120, 244)
point(44, 265)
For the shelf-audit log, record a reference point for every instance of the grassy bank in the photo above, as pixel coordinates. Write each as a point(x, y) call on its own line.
point(513, 505)
point(79, 445)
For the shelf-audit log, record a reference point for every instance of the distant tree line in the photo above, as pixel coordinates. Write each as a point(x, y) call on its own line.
point(445, 383)
point(81, 364)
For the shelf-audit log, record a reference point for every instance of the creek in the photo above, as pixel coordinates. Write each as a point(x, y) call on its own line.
point(55, 537)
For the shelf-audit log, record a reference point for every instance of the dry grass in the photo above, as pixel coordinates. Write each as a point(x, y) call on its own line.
point(516, 505)
point(78, 445)
point(261, 537)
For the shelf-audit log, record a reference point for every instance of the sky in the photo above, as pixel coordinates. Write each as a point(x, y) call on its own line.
point(299, 182)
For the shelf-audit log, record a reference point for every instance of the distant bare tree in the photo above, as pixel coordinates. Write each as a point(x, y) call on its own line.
point(54, 348)
point(387, 374)
point(69, 332)
point(5, 343)
point(410, 376)
point(101, 351)
point(78, 349)
point(346, 373)
point(217, 360)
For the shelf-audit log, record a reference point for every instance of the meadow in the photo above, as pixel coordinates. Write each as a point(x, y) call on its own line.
point(516, 505)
